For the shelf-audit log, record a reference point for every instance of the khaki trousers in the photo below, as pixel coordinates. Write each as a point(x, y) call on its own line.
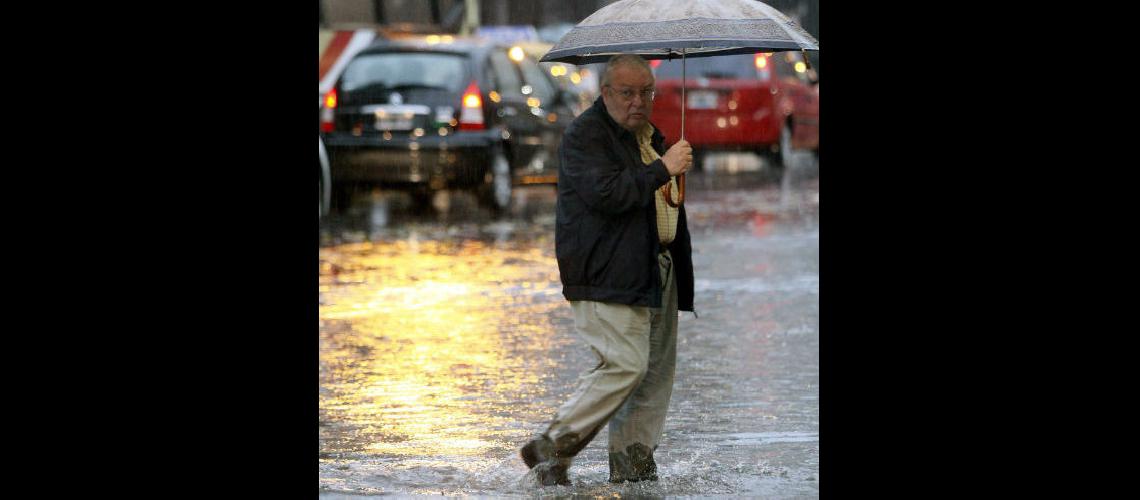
point(631, 385)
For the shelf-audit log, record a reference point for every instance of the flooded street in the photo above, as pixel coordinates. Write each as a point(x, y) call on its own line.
point(445, 343)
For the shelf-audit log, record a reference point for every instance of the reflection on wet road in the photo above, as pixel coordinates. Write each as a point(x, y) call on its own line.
point(445, 342)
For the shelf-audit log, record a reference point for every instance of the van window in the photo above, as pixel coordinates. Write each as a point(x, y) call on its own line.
point(732, 66)
point(506, 75)
point(785, 63)
point(537, 80)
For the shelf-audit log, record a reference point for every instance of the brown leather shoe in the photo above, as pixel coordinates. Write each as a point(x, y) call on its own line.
point(537, 450)
point(552, 472)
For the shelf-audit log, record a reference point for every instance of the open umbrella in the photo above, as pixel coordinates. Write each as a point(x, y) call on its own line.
point(665, 29)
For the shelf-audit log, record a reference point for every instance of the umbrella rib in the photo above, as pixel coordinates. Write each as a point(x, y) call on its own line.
point(647, 48)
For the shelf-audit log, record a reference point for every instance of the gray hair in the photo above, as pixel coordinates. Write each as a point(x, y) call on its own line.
point(631, 60)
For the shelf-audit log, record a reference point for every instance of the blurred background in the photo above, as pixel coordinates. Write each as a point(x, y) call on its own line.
point(765, 105)
point(550, 18)
point(444, 338)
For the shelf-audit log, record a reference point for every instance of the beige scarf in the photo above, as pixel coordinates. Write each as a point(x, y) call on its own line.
point(666, 215)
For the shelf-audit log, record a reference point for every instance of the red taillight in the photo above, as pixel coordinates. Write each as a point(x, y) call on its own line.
point(327, 111)
point(655, 63)
point(471, 116)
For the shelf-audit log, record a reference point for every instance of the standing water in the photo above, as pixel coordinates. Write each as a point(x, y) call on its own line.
point(445, 343)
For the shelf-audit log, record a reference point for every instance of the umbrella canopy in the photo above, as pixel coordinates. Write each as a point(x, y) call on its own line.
point(662, 29)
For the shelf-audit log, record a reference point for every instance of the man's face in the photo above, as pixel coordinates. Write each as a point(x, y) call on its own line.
point(628, 96)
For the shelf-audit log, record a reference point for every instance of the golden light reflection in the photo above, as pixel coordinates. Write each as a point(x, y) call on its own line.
point(428, 345)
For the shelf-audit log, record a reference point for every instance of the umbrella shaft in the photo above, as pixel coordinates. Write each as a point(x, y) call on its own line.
point(683, 85)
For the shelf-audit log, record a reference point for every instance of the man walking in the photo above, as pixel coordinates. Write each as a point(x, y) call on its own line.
point(625, 261)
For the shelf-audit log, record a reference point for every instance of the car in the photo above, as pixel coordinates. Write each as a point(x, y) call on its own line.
point(581, 80)
point(426, 113)
point(765, 103)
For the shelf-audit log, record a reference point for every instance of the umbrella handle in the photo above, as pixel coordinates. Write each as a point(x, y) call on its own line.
point(680, 192)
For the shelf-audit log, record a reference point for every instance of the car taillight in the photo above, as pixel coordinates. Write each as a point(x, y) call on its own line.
point(327, 111)
point(471, 116)
point(762, 71)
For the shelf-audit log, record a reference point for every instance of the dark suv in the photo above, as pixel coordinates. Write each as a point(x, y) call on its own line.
point(767, 103)
point(427, 113)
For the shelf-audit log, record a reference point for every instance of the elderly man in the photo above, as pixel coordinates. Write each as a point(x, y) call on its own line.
point(625, 262)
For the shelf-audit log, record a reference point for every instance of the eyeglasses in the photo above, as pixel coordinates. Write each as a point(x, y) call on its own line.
point(627, 94)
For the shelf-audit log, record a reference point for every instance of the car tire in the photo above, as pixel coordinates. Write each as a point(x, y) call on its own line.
point(341, 197)
point(498, 194)
point(421, 200)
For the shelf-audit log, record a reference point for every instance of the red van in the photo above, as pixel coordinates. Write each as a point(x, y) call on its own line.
point(765, 103)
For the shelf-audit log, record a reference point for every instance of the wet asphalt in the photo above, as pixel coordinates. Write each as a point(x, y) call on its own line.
point(445, 342)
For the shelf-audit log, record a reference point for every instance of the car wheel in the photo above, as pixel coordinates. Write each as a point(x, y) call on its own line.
point(497, 193)
point(421, 197)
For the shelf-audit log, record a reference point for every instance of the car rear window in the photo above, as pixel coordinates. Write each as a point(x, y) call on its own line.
point(405, 69)
point(731, 66)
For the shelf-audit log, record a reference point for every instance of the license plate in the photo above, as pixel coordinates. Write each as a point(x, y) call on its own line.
point(395, 117)
point(393, 123)
point(702, 99)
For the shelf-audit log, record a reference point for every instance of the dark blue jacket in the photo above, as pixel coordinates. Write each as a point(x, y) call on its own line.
point(606, 234)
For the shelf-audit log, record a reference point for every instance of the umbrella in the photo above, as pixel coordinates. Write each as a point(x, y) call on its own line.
point(665, 29)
